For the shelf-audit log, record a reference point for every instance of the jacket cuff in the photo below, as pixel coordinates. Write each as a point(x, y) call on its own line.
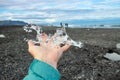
point(44, 70)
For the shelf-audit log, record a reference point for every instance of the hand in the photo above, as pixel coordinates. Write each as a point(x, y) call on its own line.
point(47, 52)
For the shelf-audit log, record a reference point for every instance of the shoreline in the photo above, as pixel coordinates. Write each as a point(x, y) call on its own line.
point(75, 64)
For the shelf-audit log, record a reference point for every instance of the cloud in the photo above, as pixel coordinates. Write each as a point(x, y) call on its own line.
point(62, 15)
point(49, 11)
point(56, 4)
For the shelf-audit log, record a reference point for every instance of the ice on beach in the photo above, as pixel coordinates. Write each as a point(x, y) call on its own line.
point(118, 45)
point(2, 36)
point(59, 37)
point(112, 56)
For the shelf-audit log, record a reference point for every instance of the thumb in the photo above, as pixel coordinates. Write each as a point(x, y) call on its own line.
point(65, 47)
point(30, 43)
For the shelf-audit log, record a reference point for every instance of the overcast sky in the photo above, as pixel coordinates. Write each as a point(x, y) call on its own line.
point(52, 11)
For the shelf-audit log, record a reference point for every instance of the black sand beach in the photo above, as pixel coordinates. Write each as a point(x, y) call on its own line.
point(86, 63)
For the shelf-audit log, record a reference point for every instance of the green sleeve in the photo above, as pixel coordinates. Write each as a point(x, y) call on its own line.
point(39, 70)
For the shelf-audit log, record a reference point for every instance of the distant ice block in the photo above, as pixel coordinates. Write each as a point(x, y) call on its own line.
point(2, 36)
point(118, 45)
point(112, 56)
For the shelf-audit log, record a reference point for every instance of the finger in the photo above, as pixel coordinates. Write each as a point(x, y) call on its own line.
point(57, 46)
point(44, 37)
point(65, 47)
point(30, 43)
point(51, 41)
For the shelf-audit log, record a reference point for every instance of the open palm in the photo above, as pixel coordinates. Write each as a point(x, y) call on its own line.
point(47, 52)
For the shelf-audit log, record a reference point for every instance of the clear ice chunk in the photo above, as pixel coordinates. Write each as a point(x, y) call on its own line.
point(118, 45)
point(2, 36)
point(59, 37)
point(112, 56)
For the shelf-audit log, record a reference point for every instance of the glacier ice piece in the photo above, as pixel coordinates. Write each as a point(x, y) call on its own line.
point(59, 37)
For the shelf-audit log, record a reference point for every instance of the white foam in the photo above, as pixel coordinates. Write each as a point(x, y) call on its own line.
point(2, 36)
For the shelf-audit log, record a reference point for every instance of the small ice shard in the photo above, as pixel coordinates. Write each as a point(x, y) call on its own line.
point(118, 45)
point(112, 56)
point(2, 36)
